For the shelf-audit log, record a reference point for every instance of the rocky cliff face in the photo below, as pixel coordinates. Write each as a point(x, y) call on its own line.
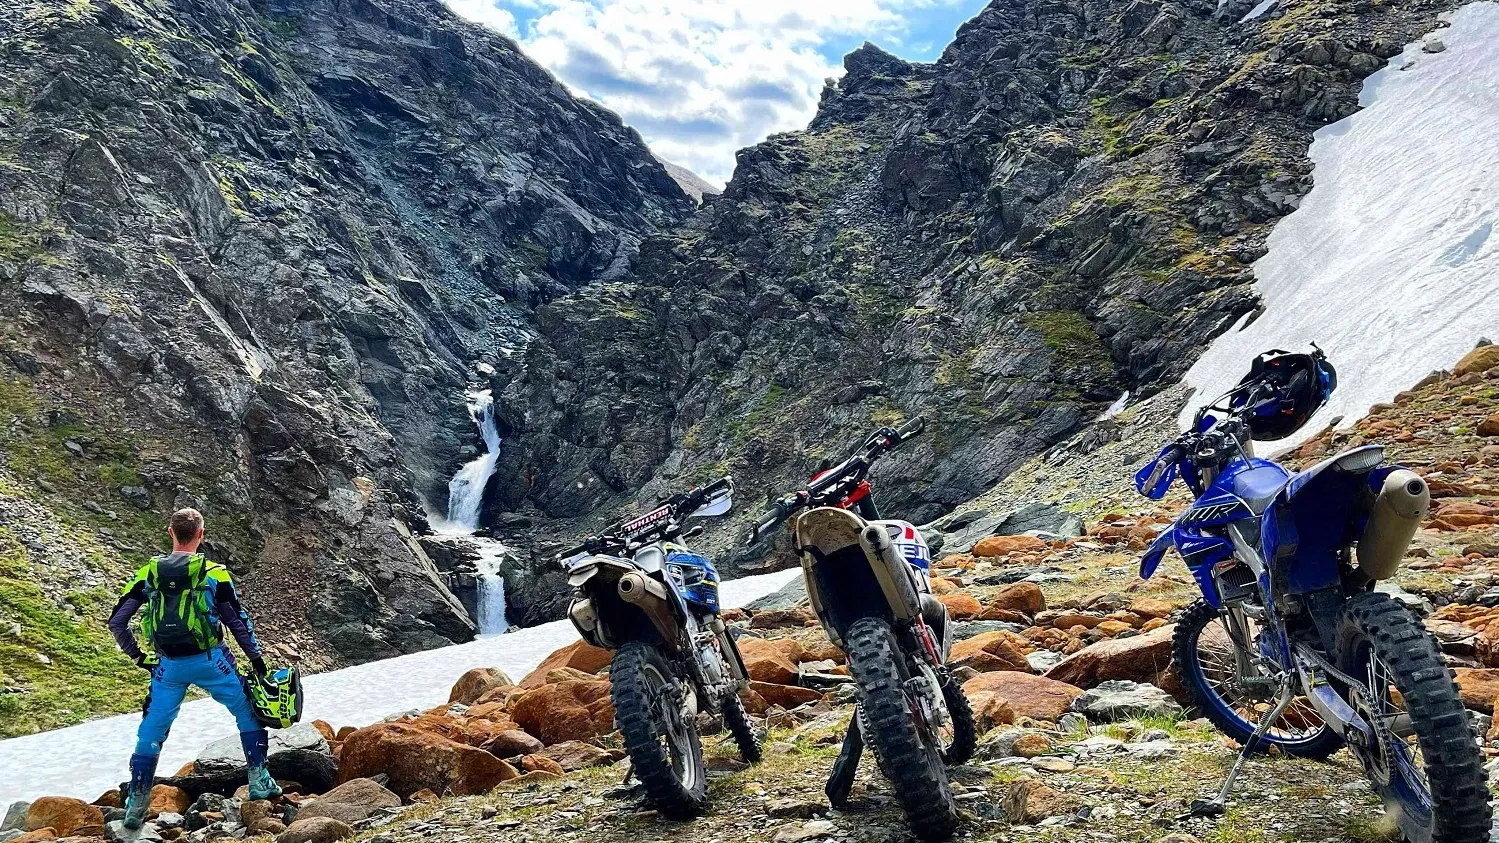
point(1062, 208)
point(252, 252)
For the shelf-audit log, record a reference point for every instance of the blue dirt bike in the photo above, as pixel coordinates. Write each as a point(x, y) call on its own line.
point(1291, 646)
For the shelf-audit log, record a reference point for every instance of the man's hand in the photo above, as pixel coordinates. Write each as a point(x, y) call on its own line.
point(258, 665)
point(147, 663)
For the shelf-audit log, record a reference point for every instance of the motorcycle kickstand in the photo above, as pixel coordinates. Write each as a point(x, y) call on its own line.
point(1218, 805)
point(841, 781)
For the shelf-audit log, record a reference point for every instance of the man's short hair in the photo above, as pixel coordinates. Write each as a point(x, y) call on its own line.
point(185, 524)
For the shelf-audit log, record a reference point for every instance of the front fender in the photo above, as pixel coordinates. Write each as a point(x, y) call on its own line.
point(1156, 552)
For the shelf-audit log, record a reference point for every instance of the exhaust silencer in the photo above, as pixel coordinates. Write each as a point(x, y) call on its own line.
point(636, 589)
point(892, 571)
point(1401, 506)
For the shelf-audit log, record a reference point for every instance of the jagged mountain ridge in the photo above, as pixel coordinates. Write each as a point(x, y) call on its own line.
point(252, 253)
point(1063, 207)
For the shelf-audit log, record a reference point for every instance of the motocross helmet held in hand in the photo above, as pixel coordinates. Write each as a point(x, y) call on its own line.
point(276, 697)
point(1303, 383)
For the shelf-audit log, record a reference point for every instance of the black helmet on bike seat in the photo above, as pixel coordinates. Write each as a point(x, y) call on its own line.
point(1303, 383)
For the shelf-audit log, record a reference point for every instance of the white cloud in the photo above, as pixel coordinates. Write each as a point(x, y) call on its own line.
point(487, 13)
point(700, 79)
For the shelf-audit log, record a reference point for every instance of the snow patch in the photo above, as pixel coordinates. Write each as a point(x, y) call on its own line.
point(1389, 264)
point(1257, 11)
point(86, 760)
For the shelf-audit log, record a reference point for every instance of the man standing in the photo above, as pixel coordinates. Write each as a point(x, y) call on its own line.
point(187, 600)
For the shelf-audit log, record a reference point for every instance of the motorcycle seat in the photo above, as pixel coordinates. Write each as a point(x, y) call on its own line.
point(1258, 487)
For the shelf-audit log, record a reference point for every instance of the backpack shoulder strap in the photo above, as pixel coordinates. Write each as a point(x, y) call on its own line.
point(143, 574)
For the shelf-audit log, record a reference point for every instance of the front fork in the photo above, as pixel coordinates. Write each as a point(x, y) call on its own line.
point(924, 689)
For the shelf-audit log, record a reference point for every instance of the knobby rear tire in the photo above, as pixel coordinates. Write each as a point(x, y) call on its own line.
point(1376, 624)
point(633, 694)
point(914, 768)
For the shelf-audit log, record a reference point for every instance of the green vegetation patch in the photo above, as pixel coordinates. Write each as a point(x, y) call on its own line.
point(59, 664)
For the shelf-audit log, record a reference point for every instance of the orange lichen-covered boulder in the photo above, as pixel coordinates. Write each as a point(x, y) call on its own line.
point(990, 651)
point(772, 661)
point(566, 711)
point(1028, 695)
point(1140, 658)
point(579, 655)
point(414, 759)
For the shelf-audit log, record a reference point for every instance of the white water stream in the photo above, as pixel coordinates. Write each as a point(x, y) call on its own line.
point(1391, 264)
point(86, 760)
point(466, 503)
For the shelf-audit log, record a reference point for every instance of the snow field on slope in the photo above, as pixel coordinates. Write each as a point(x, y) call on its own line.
point(89, 759)
point(1391, 263)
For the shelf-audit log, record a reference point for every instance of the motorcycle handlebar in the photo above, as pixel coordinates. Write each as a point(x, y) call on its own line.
point(1168, 459)
point(914, 427)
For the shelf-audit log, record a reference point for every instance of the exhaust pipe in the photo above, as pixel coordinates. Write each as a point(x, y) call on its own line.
point(1399, 509)
point(892, 570)
point(637, 590)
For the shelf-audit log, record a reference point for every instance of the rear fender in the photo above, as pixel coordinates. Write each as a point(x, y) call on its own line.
point(606, 620)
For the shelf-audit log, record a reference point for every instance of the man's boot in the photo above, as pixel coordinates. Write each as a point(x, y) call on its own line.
point(138, 801)
point(262, 784)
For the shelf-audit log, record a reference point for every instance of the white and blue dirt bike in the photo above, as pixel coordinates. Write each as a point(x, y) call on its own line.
point(651, 599)
point(1291, 646)
point(867, 579)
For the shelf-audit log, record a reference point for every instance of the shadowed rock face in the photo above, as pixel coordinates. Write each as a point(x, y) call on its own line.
point(273, 241)
point(1063, 207)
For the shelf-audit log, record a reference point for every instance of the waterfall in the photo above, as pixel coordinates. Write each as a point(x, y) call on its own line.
point(466, 489)
point(465, 502)
point(491, 615)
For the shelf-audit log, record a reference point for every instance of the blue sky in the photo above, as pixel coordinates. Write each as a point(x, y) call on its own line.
point(701, 79)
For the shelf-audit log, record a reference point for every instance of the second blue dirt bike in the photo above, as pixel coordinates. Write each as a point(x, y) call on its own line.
point(1291, 646)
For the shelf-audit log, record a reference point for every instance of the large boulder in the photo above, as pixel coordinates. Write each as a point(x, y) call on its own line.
point(227, 753)
point(351, 802)
point(513, 742)
point(961, 606)
point(315, 771)
point(772, 660)
point(1120, 699)
point(315, 830)
point(579, 655)
point(566, 711)
point(785, 696)
point(474, 684)
point(67, 817)
point(15, 817)
point(1480, 359)
point(414, 760)
point(1023, 597)
point(1006, 545)
point(1478, 687)
point(1140, 658)
point(1028, 801)
point(1028, 695)
point(576, 755)
point(166, 799)
point(999, 650)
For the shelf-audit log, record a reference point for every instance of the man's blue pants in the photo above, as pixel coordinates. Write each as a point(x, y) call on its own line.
point(212, 671)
